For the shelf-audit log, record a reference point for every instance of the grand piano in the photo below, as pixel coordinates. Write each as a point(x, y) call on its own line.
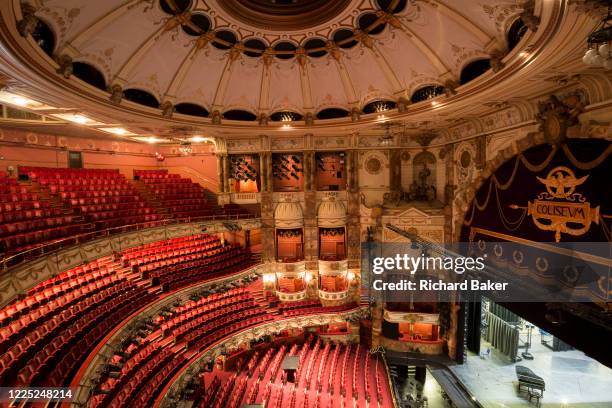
point(530, 382)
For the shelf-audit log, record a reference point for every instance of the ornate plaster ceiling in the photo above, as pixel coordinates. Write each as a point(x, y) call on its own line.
point(199, 51)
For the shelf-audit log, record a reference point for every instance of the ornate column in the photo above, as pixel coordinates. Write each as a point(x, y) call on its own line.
point(269, 181)
point(220, 172)
point(226, 173)
point(262, 170)
point(348, 162)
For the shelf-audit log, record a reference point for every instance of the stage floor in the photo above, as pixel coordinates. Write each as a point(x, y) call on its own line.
point(573, 380)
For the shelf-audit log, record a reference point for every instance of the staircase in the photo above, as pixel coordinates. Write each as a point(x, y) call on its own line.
point(151, 199)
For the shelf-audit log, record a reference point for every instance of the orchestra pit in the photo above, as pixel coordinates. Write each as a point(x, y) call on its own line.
point(194, 193)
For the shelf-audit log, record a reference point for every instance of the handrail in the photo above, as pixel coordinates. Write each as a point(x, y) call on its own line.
point(55, 245)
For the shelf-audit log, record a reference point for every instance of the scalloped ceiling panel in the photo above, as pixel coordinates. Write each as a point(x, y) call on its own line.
point(138, 44)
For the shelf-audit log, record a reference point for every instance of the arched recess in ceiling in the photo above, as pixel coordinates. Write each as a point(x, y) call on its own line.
point(141, 97)
point(44, 37)
point(254, 47)
point(174, 7)
point(313, 47)
point(224, 39)
point(284, 49)
point(198, 23)
point(515, 33)
point(89, 74)
point(191, 109)
point(332, 113)
point(239, 114)
point(369, 23)
point(473, 70)
point(285, 116)
point(386, 5)
point(343, 37)
point(426, 92)
point(379, 105)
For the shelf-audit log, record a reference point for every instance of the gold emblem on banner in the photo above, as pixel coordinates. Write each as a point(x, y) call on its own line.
point(560, 208)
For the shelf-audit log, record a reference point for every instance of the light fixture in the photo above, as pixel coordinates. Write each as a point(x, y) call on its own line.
point(287, 117)
point(185, 148)
point(76, 118)
point(198, 139)
point(381, 106)
point(18, 100)
point(119, 131)
point(435, 103)
point(152, 139)
point(599, 45)
point(269, 278)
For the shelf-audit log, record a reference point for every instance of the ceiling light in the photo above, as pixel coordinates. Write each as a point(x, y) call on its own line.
point(119, 131)
point(435, 103)
point(18, 100)
point(76, 118)
point(381, 106)
point(153, 139)
point(599, 43)
point(198, 139)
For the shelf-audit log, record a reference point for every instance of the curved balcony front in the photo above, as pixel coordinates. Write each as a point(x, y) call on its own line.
point(291, 297)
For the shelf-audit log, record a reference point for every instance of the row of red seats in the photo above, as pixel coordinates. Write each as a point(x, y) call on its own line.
point(161, 173)
point(318, 310)
point(172, 191)
point(35, 173)
point(213, 332)
point(137, 360)
point(210, 392)
point(92, 270)
point(30, 214)
point(218, 314)
point(11, 206)
point(48, 317)
point(196, 257)
point(34, 225)
point(195, 272)
point(28, 240)
point(164, 243)
point(170, 250)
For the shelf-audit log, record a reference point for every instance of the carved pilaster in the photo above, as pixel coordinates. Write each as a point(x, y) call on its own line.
point(226, 173)
point(262, 170)
point(26, 25)
point(220, 172)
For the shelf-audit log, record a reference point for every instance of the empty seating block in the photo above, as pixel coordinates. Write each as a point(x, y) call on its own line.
point(185, 199)
point(105, 198)
point(328, 375)
point(27, 219)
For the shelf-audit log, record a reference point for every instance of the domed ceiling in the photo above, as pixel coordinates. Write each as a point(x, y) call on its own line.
point(247, 58)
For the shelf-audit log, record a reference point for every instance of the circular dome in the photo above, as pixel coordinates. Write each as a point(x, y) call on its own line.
point(223, 59)
point(283, 15)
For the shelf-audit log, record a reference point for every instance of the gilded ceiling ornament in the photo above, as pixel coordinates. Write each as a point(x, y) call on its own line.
point(26, 25)
point(116, 94)
point(65, 65)
point(496, 60)
point(167, 109)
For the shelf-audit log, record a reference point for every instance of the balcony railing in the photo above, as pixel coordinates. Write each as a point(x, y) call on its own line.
point(325, 295)
point(291, 297)
point(245, 198)
point(13, 259)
